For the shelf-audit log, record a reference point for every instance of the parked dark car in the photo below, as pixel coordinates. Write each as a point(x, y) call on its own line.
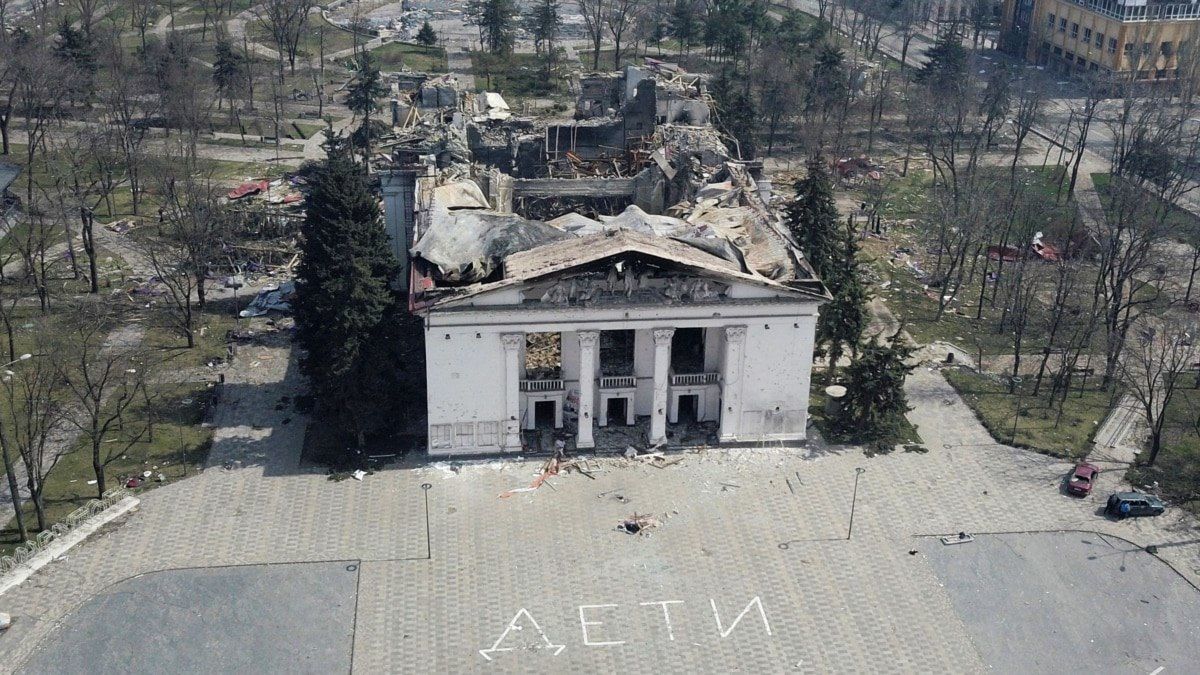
point(1132, 504)
point(1081, 480)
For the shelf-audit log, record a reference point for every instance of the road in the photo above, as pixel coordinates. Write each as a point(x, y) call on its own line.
point(1058, 110)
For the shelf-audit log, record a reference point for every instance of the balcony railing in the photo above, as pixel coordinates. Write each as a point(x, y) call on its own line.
point(692, 379)
point(618, 382)
point(541, 385)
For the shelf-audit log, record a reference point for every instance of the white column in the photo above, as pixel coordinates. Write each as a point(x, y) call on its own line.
point(587, 387)
point(662, 366)
point(512, 390)
point(731, 381)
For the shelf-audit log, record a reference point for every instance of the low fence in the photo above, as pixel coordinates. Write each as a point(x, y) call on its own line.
point(43, 540)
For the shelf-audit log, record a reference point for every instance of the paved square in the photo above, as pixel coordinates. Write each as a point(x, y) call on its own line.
point(1074, 602)
point(751, 568)
point(247, 619)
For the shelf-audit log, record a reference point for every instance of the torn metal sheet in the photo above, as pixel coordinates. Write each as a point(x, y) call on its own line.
point(468, 245)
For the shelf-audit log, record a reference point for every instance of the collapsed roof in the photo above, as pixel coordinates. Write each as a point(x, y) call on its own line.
point(671, 190)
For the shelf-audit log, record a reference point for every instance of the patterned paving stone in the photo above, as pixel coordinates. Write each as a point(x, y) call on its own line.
point(863, 604)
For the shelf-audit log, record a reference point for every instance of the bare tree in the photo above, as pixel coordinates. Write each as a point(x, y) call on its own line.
point(1151, 370)
point(141, 16)
point(621, 15)
point(1152, 143)
point(86, 11)
point(285, 21)
point(8, 87)
point(104, 371)
point(595, 19)
point(42, 85)
point(1029, 101)
point(126, 101)
point(85, 167)
point(194, 226)
point(33, 410)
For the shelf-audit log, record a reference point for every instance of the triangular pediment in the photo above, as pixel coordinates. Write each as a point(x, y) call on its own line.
point(625, 268)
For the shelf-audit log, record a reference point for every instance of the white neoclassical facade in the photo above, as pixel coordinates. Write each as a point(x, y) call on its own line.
point(635, 332)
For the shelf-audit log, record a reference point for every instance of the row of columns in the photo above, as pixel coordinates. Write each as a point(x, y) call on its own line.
point(731, 387)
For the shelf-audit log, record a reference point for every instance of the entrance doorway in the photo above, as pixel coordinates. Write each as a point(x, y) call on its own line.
point(689, 408)
point(617, 410)
point(543, 414)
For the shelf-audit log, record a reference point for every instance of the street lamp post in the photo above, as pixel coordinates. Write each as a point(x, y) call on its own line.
point(9, 469)
point(23, 357)
point(235, 282)
point(1016, 382)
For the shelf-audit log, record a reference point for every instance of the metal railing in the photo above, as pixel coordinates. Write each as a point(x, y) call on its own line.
point(689, 379)
point(618, 382)
point(79, 516)
point(541, 385)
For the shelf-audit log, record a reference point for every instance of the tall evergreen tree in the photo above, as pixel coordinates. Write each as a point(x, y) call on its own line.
point(812, 218)
point(945, 67)
point(229, 71)
point(829, 84)
point(842, 320)
point(497, 21)
point(875, 402)
point(343, 300)
point(427, 37)
point(362, 99)
point(543, 22)
point(685, 25)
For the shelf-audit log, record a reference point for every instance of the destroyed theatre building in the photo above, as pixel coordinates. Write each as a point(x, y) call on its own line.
point(611, 279)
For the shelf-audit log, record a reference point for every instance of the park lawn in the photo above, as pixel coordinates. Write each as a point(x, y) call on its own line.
point(177, 449)
point(1177, 468)
point(179, 444)
point(307, 130)
point(309, 46)
point(1038, 427)
point(405, 55)
point(910, 300)
point(1179, 220)
point(917, 307)
point(908, 196)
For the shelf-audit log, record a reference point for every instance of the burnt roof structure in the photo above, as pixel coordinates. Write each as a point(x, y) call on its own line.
point(640, 170)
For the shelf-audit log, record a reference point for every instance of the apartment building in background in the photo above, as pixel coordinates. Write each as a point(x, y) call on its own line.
point(1139, 37)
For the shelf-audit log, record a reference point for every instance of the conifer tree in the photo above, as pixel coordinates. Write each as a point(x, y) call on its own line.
point(427, 37)
point(842, 320)
point(812, 217)
point(343, 299)
point(875, 402)
point(946, 63)
point(363, 94)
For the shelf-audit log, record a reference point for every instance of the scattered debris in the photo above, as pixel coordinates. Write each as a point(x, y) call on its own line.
point(5, 621)
point(636, 524)
point(247, 189)
point(550, 468)
point(358, 474)
point(272, 298)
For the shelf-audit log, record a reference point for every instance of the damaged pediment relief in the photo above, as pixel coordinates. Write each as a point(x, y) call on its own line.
point(622, 284)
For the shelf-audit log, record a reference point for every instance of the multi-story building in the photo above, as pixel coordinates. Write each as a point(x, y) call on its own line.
point(1142, 38)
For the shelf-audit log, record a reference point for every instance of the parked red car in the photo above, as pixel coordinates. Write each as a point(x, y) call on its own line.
point(1082, 479)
